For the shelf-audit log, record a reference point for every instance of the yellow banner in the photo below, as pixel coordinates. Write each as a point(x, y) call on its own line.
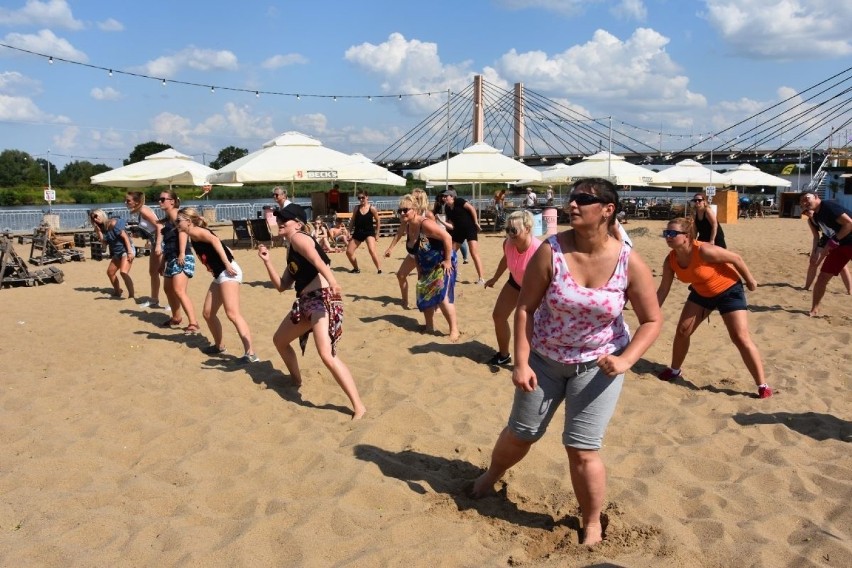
point(788, 170)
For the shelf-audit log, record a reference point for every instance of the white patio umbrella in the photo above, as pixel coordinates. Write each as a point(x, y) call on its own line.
point(477, 164)
point(292, 157)
point(748, 175)
point(689, 173)
point(376, 173)
point(601, 165)
point(168, 167)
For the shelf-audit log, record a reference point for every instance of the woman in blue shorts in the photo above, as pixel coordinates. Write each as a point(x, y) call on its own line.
point(178, 263)
point(113, 233)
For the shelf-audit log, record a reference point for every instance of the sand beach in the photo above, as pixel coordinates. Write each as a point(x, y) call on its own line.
point(124, 445)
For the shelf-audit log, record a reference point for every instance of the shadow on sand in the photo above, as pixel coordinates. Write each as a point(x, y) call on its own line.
point(816, 425)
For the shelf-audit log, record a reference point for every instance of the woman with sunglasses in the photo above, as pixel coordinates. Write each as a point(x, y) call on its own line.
point(518, 248)
point(178, 263)
point(318, 307)
point(224, 291)
point(365, 226)
point(148, 226)
point(708, 227)
point(572, 344)
point(713, 274)
point(113, 233)
point(409, 263)
point(432, 248)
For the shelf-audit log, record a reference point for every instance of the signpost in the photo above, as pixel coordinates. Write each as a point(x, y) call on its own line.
point(49, 196)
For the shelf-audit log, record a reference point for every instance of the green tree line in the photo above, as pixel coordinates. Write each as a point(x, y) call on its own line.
point(24, 178)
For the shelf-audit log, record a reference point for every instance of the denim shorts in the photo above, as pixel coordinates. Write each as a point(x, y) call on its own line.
point(731, 300)
point(173, 268)
point(590, 397)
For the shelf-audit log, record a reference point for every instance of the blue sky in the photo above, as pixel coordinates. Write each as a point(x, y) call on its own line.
point(688, 65)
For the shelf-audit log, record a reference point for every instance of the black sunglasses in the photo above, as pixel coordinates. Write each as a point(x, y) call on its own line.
point(512, 231)
point(671, 233)
point(403, 210)
point(698, 200)
point(162, 199)
point(582, 199)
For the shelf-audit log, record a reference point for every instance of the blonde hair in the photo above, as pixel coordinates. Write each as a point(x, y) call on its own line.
point(520, 219)
point(409, 201)
point(99, 218)
point(687, 225)
point(191, 213)
point(420, 200)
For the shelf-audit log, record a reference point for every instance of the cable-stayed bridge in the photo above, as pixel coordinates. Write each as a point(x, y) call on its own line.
point(542, 131)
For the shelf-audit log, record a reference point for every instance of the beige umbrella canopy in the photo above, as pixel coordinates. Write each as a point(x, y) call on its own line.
point(168, 167)
point(610, 167)
point(479, 163)
point(293, 157)
point(748, 175)
point(376, 173)
point(689, 173)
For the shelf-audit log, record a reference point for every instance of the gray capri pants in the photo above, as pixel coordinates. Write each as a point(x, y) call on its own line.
point(590, 395)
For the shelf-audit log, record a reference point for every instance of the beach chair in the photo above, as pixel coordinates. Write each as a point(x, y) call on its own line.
point(241, 233)
point(260, 232)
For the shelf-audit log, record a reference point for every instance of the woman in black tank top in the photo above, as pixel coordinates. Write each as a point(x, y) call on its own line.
point(708, 228)
point(318, 307)
point(365, 227)
point(225, 288)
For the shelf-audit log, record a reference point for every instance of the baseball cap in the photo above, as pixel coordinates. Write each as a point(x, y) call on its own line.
point(292, 211)
point(450, 192)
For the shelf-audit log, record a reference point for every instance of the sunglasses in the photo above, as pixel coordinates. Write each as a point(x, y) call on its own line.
point(403, 210)
point(361, 197)
point(671, 233)
point(512, 231)
point(697, 200)
point(163, 199)
point(582, 199)
point(276, 195)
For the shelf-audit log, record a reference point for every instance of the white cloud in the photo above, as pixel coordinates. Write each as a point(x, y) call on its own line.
point(277, 61)
point(634, 74)
point(108, 94)
point(111, 25)
point(316, 123)
point(14, 83)
point(413, 67)
point(53, 13)
point(783, 29)
point(192, 58)
point(235, 122)
point(630, 10)
point(66, 140)
point(23, 109)
point(45, 41)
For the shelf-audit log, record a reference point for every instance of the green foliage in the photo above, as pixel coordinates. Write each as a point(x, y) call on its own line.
point(78, 174)
point(18, 168)
point(228, 155)
point(142, 151)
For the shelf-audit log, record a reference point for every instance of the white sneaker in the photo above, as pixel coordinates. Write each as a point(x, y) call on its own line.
point(480, 282)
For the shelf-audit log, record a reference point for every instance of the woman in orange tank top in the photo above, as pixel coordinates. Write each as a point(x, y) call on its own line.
point(713, 274)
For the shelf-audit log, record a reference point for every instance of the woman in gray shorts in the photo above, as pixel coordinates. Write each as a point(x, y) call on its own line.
point(572, 344)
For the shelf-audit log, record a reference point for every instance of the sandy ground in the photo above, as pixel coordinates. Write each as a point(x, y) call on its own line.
point(124, 445)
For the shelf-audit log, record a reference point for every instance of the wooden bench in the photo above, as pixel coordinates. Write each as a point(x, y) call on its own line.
point(389, 220)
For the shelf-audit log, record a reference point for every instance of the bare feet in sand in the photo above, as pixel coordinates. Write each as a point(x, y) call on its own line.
point(592, 533)
point(482, 487)
point(359, 412)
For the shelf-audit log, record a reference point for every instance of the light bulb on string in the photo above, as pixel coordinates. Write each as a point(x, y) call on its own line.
point(370, 99)
point(257, 94)
point(110, 73)
point(164, 82)
point(212, 89)
point(50, 60)
point(298, 97)
point(334, 99)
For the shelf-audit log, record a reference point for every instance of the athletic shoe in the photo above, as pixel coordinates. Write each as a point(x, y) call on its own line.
point(380, 271)
point(498, 359)
point(464, 262)
point(213, 350)
point(480, 282)
point(248, 358)
point(668, 375)
point(764, 392)
point(354, 271)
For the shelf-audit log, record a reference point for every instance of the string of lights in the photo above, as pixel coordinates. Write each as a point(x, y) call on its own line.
point(213, 88)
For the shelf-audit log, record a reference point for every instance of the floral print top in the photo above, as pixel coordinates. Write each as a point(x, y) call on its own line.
point(574, 324)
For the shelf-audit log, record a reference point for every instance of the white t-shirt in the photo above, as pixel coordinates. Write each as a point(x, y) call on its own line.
point(531, 199)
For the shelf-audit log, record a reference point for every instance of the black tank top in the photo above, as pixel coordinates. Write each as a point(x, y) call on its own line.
point(206, 253)
point(704, 228)
point(301, 269)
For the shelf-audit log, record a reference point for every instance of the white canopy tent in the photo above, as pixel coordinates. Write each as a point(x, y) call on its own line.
point(295, 157)
point(477, 164)
point(168, 167)
point(748, 175)
point(689, 173)
point(601, 165)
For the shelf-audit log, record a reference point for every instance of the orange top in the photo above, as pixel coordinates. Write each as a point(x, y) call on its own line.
point(707, 279)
